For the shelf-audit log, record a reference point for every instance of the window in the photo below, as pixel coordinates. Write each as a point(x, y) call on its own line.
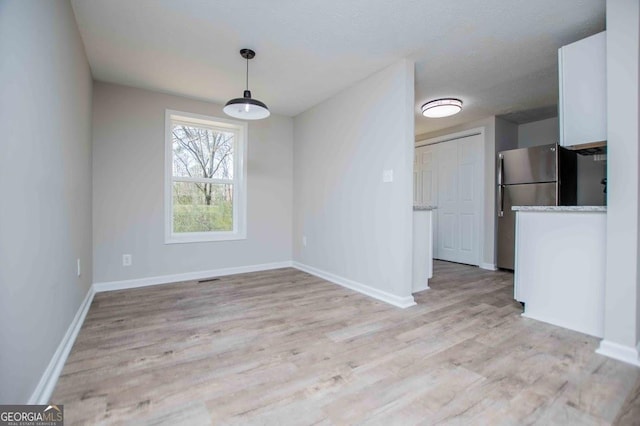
point(205, 178)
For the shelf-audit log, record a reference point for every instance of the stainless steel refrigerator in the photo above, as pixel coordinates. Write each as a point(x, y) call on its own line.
point(539, 176)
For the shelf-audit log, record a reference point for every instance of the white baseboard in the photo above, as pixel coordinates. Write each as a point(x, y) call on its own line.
point(627, 354)
point(400, 302)
point(488, 266)
point(49, 378)
point(188, 276)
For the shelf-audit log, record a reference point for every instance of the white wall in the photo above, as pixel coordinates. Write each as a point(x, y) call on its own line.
point(489, 127)
point(358, 227)
point(590, 172)
point(128, 178)
point(45, 168)
point(622, 291)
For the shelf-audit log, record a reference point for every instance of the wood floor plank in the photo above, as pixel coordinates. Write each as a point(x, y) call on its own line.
point(285, 347)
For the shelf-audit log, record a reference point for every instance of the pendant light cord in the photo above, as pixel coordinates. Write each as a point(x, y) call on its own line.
point(247, 74)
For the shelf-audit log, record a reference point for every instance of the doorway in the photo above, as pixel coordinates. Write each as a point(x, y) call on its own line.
point(449, 174)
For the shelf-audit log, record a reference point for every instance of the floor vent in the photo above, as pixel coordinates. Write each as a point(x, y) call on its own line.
point(208, 280)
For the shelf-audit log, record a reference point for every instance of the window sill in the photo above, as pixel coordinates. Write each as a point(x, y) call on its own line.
point(204, 238)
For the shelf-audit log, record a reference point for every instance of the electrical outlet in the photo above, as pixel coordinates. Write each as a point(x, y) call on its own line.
point(126, 260)
point(78, 266)
point(387, 175)
point(304, 240)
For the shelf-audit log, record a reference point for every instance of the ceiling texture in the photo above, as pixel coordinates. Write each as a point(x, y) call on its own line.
point(498, 56)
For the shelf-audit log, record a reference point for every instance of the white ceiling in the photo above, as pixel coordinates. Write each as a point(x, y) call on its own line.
point(498, 56)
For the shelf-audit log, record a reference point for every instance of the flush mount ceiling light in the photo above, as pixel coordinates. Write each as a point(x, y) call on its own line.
point(442, 107)
point(246, 108)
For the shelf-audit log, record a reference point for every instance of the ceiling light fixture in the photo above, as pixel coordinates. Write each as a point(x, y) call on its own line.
point(246, 107)
point(442, 107)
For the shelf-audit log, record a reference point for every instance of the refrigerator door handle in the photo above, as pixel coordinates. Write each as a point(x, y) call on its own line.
point(500, 185)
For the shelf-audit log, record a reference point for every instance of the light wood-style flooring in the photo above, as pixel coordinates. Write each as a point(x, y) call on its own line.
point(286, 348)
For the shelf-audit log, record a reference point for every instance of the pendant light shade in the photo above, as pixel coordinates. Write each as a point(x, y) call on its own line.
point(442, 107)
point(246, 108)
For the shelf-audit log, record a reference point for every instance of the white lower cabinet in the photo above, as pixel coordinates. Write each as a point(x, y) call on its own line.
point(422, 249)
point(560, 268)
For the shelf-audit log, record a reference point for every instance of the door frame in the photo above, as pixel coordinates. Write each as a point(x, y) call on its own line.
point(482, 213)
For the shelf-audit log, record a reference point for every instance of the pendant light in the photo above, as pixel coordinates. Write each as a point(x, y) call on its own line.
point(246, 108)
point(442, 107)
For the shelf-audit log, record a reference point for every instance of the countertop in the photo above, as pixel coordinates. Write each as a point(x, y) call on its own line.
point(423, 208)
point(588, 209)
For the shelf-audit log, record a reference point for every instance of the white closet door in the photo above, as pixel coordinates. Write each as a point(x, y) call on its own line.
point(469, 205)
point(424, 175)
point(448, 175)
point(448, 232)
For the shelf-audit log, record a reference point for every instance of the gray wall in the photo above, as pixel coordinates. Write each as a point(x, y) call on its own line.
point(536, 133)
point(128, 191)
point(590, 172)
point(45, 168)
point(489, 234)
point(358, 227)
point(622, 290)
point(506, 135)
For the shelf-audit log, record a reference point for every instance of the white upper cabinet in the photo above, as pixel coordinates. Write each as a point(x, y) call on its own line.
point(583, 91)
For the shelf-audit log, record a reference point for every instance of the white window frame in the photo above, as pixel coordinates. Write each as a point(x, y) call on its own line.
point(239, 231)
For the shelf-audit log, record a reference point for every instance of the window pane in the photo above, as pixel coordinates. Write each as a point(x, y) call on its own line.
point(202, 152)
point(202, 207)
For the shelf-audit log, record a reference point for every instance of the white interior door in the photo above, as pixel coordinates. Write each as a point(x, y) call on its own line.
point(449, 175)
